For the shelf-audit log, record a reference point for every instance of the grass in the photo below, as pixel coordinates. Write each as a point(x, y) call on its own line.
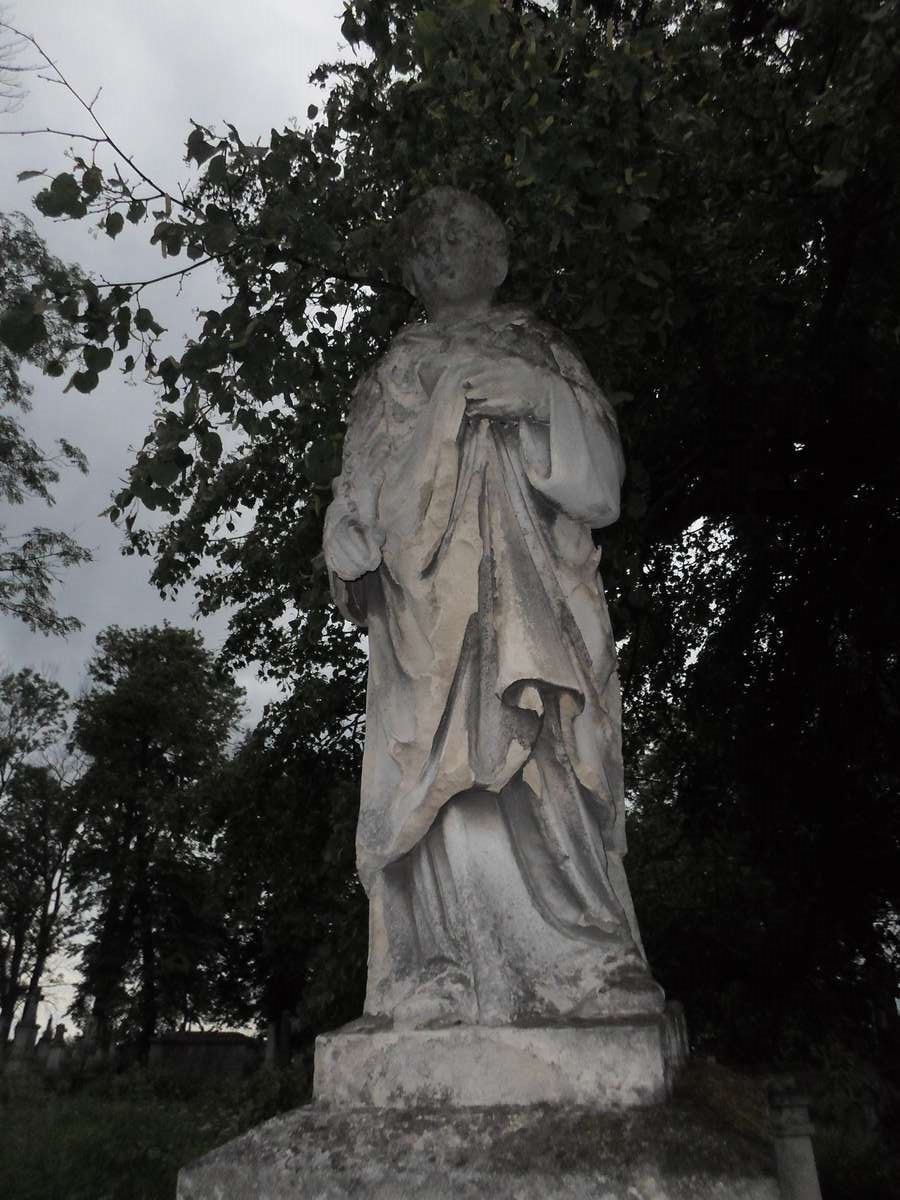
point(125, 1137)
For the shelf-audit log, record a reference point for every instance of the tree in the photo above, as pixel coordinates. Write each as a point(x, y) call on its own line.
point(285, 812)
point(155, 724)
point(38, 826)
point(32, 331)
point(704, 195)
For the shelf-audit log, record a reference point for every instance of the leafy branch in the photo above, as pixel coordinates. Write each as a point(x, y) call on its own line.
point(89, 107)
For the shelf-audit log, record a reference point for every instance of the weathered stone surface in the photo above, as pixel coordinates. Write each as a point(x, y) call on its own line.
point(479, 456)
point(793, 1130)
point(672, 1152)
point(611, 1064)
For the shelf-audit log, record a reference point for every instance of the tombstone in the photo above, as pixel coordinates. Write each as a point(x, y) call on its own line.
point(45, 1041)
point(88, 1049)
point(26, 1030)
point(58, 1054)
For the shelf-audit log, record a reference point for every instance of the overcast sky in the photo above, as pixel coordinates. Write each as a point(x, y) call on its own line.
point(158, 65)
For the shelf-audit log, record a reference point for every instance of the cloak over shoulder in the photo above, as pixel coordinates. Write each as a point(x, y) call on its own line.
point(487, 600)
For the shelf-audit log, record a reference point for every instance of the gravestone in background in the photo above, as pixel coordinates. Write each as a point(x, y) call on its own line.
point(22, 1050)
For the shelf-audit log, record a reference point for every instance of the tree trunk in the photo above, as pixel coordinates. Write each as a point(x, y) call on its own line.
point(12, 991)
point(144, 903)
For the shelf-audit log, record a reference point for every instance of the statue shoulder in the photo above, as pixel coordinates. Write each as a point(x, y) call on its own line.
point(526, 325)
point(561, 350)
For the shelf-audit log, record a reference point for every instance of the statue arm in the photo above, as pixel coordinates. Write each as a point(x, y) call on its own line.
point(352, 538)
point(575, 459)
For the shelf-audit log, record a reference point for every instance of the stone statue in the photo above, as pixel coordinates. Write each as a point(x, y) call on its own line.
point(479, 456)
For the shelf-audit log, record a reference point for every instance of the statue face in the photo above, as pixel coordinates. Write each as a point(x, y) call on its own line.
point(448, 263)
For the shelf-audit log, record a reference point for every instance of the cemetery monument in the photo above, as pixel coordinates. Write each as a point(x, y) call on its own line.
point(511, 1016)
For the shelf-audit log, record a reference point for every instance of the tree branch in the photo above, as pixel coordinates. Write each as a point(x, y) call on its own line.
point(142, 283)
point(67, 133)
point(89, 109)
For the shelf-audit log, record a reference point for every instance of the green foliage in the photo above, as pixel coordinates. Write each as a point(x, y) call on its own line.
point(32, 331)
point(285, 811)
point(704, 196)
point(33, 716)
point(155, 725)
point(855, 1109)
point(38, 825)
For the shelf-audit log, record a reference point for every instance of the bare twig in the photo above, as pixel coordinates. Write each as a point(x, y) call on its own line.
point(142, 283)
point(89, 109)
point(67, 133)
point(12, 88)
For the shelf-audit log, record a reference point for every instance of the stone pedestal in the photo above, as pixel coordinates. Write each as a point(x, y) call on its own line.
point(792, 1131)
point(542, 1113)
point(606, 1065)
point(675, 1151)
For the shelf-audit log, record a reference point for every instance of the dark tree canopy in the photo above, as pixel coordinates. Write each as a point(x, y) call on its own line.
point(38, 827)
point(705, 197)
point(155, 725)
point(285, 810)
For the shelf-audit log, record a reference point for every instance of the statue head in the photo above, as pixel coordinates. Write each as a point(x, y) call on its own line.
point(455, 253)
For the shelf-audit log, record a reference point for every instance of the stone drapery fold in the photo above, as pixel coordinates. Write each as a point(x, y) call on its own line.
point(486, 608)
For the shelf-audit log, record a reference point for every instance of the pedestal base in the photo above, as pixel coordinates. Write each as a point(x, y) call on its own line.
point(669, 1152)
point(612, 1064)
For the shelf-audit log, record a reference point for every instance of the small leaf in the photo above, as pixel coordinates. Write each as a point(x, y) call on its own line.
point(163, 472)
point(92, 182)
point(97, 358)
point(198, 148)
point(211, 447)
point(169, 370)
point(83, 381)
point(312, 112)
point(218, 238)
point(114, 224)
point(217, 171)
point(23, 175)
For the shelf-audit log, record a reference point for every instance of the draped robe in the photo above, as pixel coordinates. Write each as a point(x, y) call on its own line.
point(491, 829)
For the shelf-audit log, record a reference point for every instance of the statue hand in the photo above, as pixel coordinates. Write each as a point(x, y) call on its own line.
point(351, 548)
point(506, 387)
